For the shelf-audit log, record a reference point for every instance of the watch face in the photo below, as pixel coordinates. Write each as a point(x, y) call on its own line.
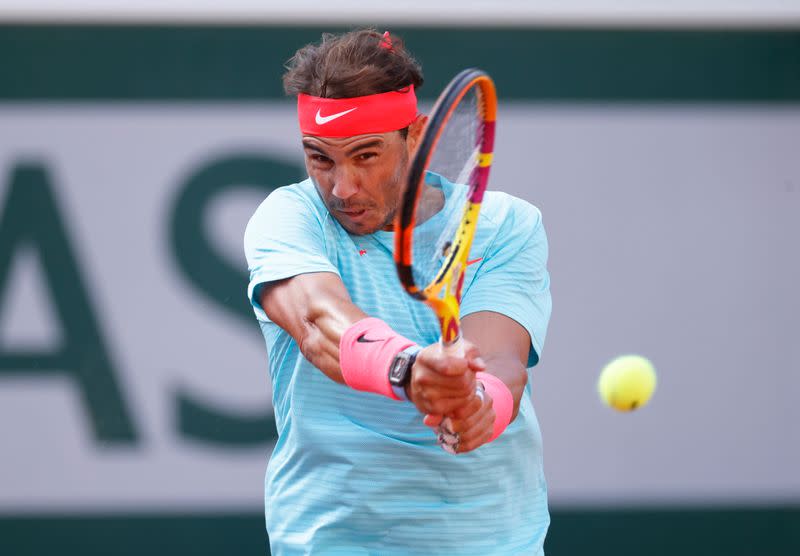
point(399, 369)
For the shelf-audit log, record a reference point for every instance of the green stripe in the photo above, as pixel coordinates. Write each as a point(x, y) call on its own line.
point(42, 62)
point(654, 532)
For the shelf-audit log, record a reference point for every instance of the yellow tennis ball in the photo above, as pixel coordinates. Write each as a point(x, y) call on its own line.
point(627, 382)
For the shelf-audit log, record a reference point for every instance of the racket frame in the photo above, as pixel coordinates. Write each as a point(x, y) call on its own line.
point(443, 293)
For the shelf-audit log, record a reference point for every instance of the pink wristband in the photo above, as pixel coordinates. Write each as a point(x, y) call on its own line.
point(502, 401)
point(366, 351)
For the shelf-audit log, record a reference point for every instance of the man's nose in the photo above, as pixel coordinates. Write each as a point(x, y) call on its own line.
point(345, 183)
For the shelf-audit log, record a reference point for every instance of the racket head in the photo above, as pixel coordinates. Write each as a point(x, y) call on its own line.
point(434, 232)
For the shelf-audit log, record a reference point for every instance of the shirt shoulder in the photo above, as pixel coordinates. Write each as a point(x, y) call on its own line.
point(289, 234)
point(510, 274)
point(292, 212)
point(507, 216)
point(298, 199)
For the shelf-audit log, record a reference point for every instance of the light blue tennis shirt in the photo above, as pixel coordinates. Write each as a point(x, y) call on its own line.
point(355, 473)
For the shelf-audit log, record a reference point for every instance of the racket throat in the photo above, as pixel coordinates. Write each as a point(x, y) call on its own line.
point(451, 333)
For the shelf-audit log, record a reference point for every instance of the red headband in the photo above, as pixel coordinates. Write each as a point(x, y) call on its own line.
point(346, 117)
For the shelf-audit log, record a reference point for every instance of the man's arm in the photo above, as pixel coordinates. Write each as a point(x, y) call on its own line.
point(316, 310)
point(504, 345)
point(507, 307)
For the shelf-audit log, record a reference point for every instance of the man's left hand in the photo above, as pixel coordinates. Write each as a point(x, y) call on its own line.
point(473, 423)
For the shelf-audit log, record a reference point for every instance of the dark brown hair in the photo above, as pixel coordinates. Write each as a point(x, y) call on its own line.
point(352, 64)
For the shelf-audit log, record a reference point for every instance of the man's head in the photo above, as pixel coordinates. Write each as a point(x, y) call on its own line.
point(359, 166)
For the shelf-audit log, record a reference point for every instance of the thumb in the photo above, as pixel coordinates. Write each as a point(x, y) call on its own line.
point(477, 364)
point(473, 356)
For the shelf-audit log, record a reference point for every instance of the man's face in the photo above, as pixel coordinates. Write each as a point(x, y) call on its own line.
point(361, 178)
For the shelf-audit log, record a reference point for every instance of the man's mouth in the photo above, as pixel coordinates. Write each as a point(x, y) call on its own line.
point(353, 213)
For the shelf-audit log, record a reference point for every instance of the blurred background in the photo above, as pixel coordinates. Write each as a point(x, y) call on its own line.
point(661, 141)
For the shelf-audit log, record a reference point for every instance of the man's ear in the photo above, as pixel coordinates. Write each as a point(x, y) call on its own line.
point(415, 130)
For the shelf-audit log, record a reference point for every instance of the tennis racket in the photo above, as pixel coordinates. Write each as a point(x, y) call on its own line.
point(438, 214)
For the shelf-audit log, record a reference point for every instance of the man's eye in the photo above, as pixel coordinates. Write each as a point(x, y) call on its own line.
point(366, 156)
point(320, 159)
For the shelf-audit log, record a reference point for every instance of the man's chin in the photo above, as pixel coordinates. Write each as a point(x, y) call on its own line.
point(358, 228)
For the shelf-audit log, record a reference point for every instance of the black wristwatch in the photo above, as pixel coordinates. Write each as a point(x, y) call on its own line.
point(400, 370)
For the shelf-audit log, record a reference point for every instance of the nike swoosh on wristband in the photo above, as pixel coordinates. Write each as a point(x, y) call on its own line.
point(321, 120)
point(362, 340)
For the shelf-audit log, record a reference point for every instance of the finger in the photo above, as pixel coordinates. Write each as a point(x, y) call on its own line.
point(431, 399)
point(428, 375)
point(468, 413)
point(477, 364)
point(470, 420)
point(425, 380)
point(432, 420)
point(478, 435)
point(437, 406)
point(473, 443)
point(473, 356)
point(453, 365)
point(448, 365)
point(470, 351)
point(444, 406)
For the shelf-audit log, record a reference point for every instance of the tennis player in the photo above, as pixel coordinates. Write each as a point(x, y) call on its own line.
point(356, 469)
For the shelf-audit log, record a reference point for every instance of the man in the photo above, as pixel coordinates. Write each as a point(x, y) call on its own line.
point(357, 468)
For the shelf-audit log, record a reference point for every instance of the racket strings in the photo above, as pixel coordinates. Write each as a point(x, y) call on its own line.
point(453, 161)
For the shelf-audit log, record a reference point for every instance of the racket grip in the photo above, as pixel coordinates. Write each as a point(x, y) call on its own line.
point(454, 348)
point(447, 439)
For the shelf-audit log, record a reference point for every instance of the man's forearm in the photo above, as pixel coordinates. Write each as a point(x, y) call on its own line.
point(315, 310)
point(327, 320)
point(504, 346)
point(514, 375)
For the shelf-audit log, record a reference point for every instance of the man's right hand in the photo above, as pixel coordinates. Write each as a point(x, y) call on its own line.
point(441, 382)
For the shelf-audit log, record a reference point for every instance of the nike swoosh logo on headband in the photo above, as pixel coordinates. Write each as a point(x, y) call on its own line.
point(320, 119)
